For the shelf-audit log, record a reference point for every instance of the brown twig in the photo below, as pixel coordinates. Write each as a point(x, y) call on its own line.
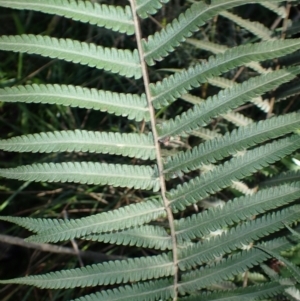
point(95, 256)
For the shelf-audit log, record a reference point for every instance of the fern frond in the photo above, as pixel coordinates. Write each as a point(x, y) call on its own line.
point(256, 28)
point(287, 90)
point(233, 170)
point(243, 188)
point(221, 82)
point(149, 7)
point(111, 272)
point(253, 292)
point(123, 62)
point(146, 236)
point(238, 140)
point(112, 17)
point(237, 119)
point(162, 43)
point(175, 85)
point(139, 177)
point(292, 29)
point(234, 265)
point(279, 10)
point(200, 250)
point(226, 83)
point(32, 224)
point(207, 45)
point(205, 134)
point(217, 48)
point(243, 207)
point(132, 145)
point(234, 117)
point(132, 106)
point(236, 238)
point(123, 218)
point(225, 100)
point(290, 59)
point(292, 268)
point(294, 233)
point(261, 103)
point(191, 98)
point(147, 291)
point(287, 177)
point(292, 293)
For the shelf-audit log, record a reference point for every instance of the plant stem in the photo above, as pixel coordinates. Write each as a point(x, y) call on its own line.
point(163, 190)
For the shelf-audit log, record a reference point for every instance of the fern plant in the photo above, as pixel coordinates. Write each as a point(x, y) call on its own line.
point(199, 253)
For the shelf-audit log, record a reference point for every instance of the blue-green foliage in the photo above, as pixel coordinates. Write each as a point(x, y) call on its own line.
point(188, 251)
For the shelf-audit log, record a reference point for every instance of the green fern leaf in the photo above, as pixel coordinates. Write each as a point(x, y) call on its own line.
point(123, 218)
point(102, 274)
point(161, 43)
point(236, 264)
point(256, 28)
point(288, 177)
point(112, 17)
point(217, 48)
point(132, 145)
point(191, 99)
point(175, 85)
point(290, 59)
point(206, 134)
point(225, 269)
point(114, 220)
point(190, 259)
point(147, 291)
point(287, 91)
point(242, 235)
point(148, 7)
point(243, 207)
point(226, 100)
point(208, 46)
point(226, 83)
point(252, 292)
point(146, 236)
point(221, 82)
point(293, 269)
point(292, 29)
point(237, 119)
point(123, 62)
point(279, 10)
point(143, 177)
point(233, 170)
point(262, 104)
point(33, 224)
point(292, 293)
point(231, 143)
point(131, 105)
point(234, 117)
point(294, 233)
